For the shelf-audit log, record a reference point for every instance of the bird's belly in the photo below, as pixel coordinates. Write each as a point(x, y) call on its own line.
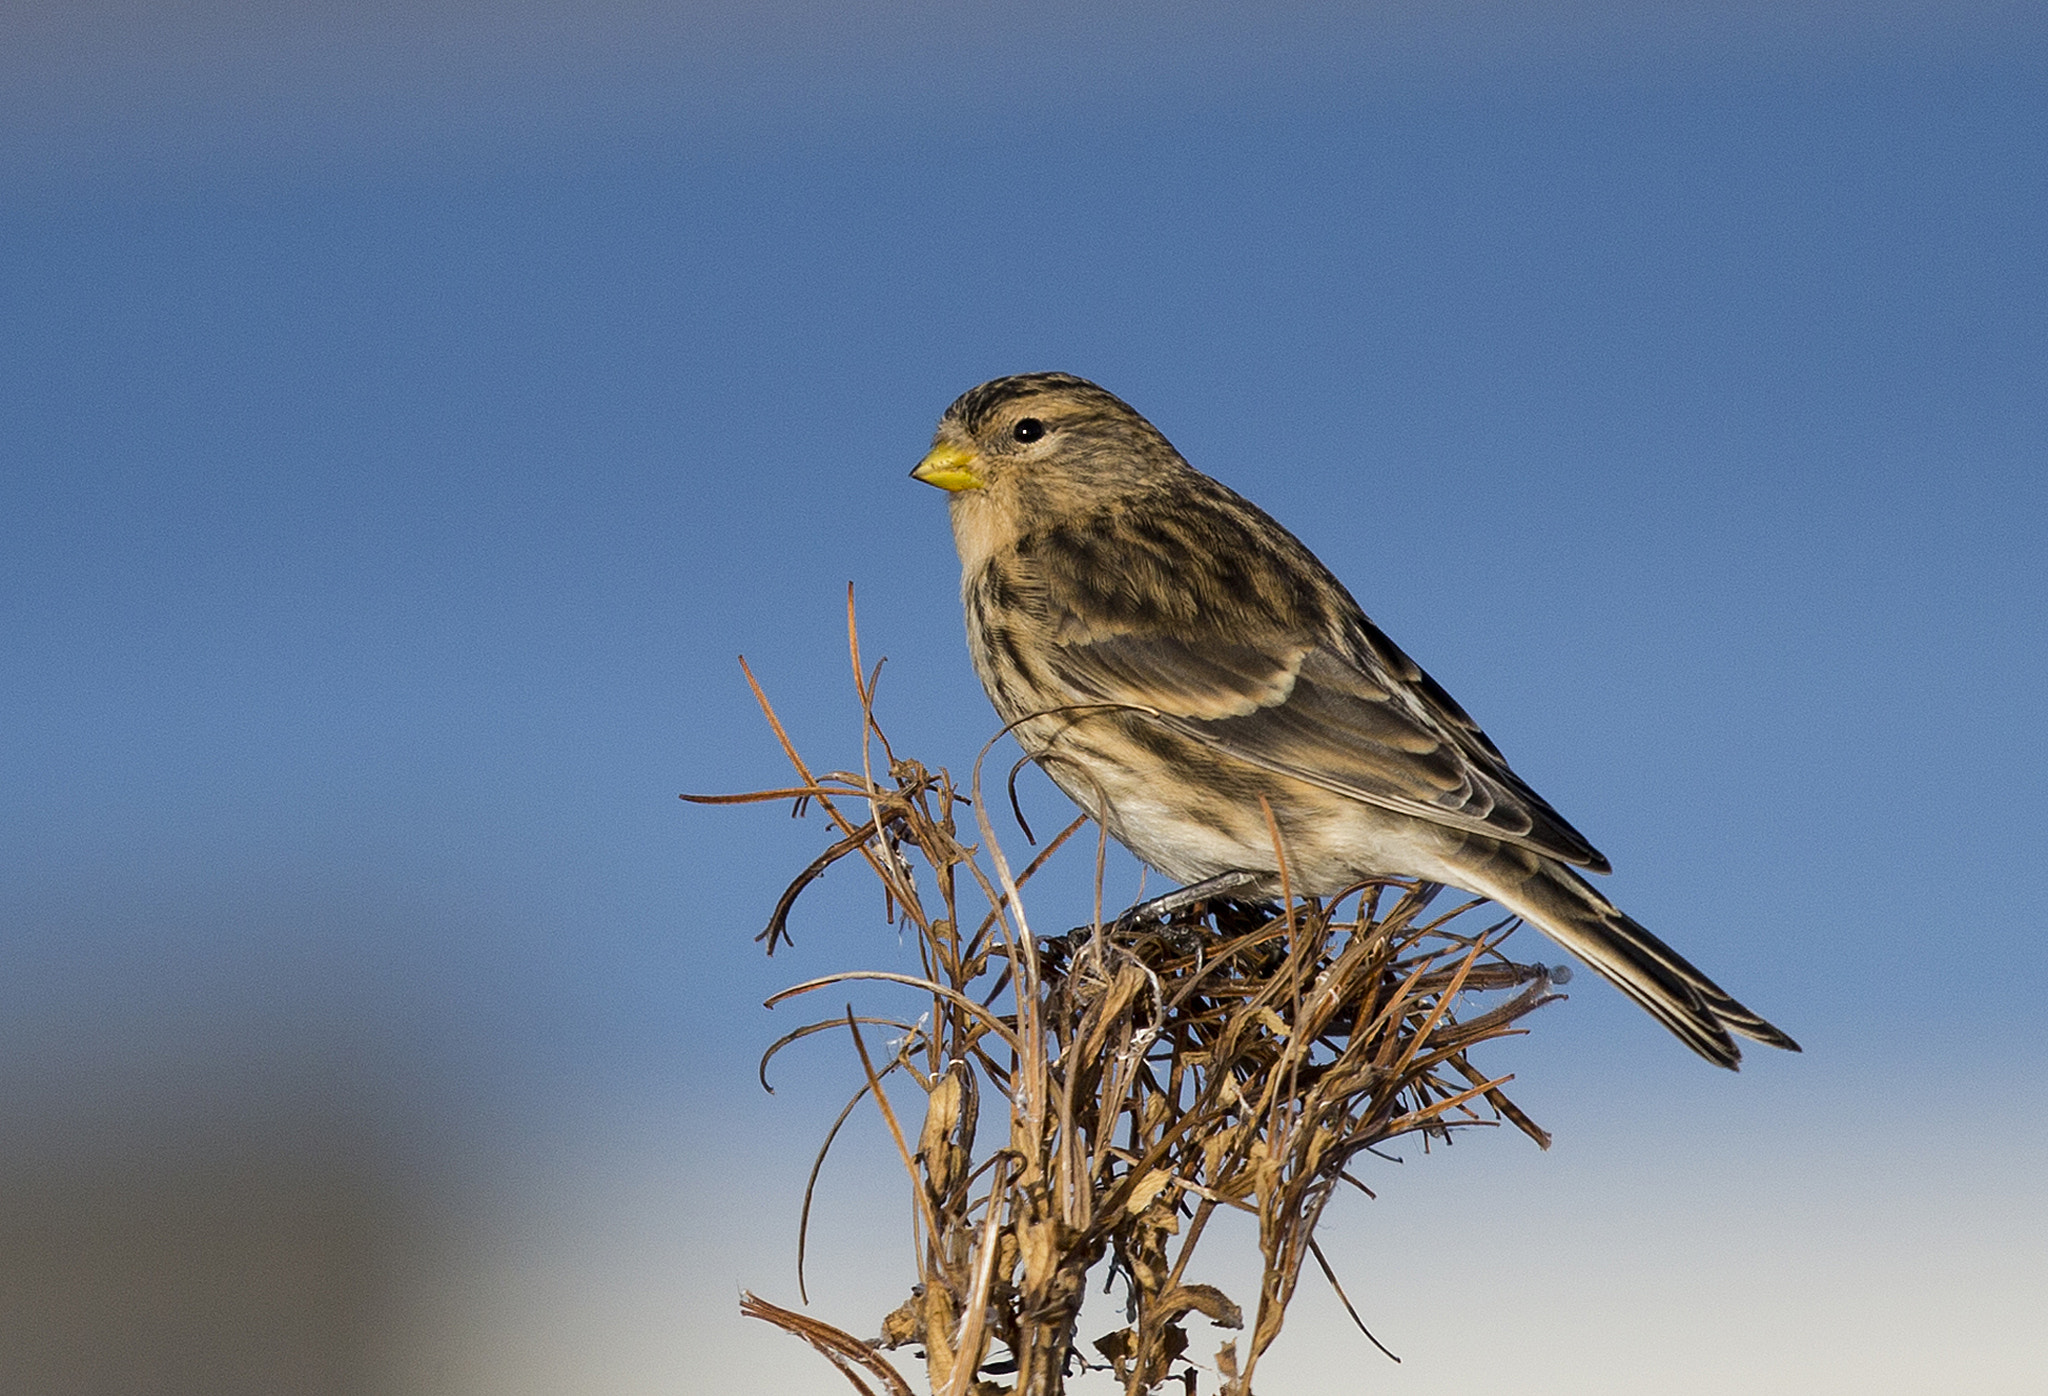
point(1213, 822)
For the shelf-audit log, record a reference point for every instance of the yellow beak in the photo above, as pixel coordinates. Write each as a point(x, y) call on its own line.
point(950, 468)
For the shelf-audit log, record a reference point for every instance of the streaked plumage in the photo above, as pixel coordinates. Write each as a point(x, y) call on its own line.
point(1170, 655)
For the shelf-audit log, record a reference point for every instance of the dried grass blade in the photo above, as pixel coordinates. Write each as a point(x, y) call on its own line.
point(778, 922)
point(803, 1221)
point(808, 1029)
point(841, 1348)
point(1415, 1119)
point(1331, 1275)
point(1030, 868)
point(954, 996)
point(924, 1202)
point(967, 1347)
point(1439, 1009)
point(1498, 1100)
point(759, 797)
point(775, 724)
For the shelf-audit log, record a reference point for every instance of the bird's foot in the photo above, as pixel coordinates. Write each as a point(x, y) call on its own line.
point(1143, 915)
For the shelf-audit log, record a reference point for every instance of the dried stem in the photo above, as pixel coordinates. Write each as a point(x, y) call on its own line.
point(1229, 1057)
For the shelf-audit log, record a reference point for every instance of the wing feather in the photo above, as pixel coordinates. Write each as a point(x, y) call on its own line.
point(1387, 738)
point(1257, 651)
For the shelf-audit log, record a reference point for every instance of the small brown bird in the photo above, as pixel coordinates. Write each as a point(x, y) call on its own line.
point(1170, 656)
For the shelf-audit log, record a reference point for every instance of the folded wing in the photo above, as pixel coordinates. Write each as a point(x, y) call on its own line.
point(1370, 725)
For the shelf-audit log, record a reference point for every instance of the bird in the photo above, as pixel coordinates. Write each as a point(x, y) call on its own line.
point(1185, 669)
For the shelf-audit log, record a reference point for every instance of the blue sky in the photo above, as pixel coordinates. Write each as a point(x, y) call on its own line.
point(408, 415)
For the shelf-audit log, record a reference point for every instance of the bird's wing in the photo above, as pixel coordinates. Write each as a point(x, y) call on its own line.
point(1370, 725)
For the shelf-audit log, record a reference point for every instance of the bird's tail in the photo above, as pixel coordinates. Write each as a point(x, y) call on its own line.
point(1565, 907)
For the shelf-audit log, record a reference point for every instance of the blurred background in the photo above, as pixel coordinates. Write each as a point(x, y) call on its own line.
point(409, 412)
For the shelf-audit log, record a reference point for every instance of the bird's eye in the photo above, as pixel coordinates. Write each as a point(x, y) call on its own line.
point(1028, 429)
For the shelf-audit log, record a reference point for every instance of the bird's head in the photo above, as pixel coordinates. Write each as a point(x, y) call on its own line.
point(1044, 439)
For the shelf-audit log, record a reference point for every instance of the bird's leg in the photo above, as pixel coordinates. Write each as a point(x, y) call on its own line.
point(1207, 890)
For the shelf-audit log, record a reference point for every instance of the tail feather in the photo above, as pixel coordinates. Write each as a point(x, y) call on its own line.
point(1564, 906)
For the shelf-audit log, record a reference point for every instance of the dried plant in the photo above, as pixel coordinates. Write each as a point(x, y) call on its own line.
point(1229, 1057)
